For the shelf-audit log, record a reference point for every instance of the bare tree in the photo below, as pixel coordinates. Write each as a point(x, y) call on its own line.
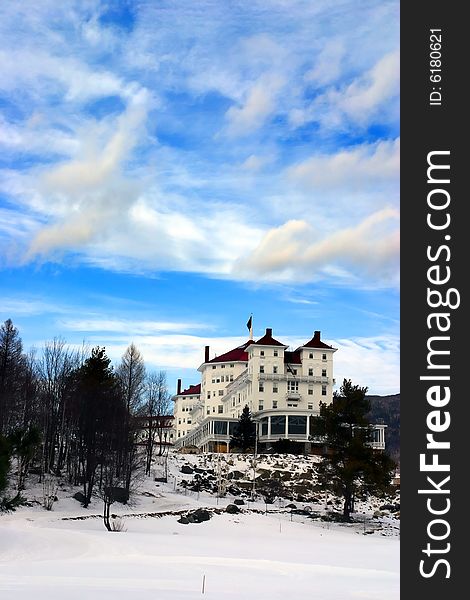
point(155, 412)
point(131, 375)
point(55, 367)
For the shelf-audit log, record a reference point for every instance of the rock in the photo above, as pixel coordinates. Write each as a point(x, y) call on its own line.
point(291, 506)
point(239, 501)
point(232, 509)
point(235, 475)
point(80, 497)
point(187, 470)
point(199, 515)
point(183, 520)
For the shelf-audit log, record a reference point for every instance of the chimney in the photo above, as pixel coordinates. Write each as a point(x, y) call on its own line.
point(269, 332)
point(178, 387)
point(206, 354)
point(316, 336)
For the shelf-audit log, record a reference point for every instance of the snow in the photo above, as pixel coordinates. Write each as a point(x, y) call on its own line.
point(50, 555)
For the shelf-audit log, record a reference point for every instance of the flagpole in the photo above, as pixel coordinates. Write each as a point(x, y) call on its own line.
point(250, 326)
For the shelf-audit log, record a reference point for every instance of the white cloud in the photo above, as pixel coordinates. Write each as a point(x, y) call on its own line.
point(89, 192)
point(125, 326)
point(288, 253)
point(373, 362)
point(259, 104)
point(364, 165)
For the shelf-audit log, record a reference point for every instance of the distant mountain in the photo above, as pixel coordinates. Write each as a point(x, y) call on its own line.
point(386, 409)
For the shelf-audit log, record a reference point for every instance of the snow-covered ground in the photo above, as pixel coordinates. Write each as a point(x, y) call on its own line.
point(282, 554)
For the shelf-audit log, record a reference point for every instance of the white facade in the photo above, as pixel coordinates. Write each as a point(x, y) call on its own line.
point(282, 389)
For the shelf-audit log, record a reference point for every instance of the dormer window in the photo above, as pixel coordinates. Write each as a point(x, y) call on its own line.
point(275, 353)
point(261, 353)
point(310, 355)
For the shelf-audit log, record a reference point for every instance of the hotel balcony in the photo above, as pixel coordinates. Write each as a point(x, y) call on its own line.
point(287, 377)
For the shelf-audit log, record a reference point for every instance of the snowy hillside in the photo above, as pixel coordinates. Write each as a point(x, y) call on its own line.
point(266, 550)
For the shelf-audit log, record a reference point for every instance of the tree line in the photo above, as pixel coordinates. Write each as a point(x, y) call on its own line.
point(69, 413)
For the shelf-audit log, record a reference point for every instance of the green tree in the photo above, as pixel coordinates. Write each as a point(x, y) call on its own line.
point(350, 463)
point(5, 458)
point(244, 436)
point(24, 443)
point(101, 414)
point(11, 372)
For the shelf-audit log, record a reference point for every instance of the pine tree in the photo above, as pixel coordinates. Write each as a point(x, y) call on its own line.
point(245, 432)
point(350, 463)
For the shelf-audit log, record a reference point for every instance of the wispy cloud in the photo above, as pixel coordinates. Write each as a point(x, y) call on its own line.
point(287, 252)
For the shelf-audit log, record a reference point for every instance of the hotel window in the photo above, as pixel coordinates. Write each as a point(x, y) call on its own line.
point(261, 353)
point(179, 421)
point(261, 369)
point(231, 377)
point(310, 406)
point(274, 369)
point(231, 366)
point(310, 355)
point(221, 392)
point(213, 380)
point(274, 403)
point(222, 379)
point(323, 356)
point(208, 411)
point(278, 425)
point(297, 425)
point(310, 372)
point(293, 386)
point(218, 380)
point(323, 390)
point(310, 391)
point(260, 407)
point(220, 409)
point(213, 409)
point(179, 433)
point(323, 372)
point(275, 389)
point(213, 366)
point(189, 421)
point(276, 353)
point(222, 367)
point(261, 387)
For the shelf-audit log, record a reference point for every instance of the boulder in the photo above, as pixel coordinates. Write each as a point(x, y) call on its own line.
point(187, 470)
point(232, 509)
point(80, 497)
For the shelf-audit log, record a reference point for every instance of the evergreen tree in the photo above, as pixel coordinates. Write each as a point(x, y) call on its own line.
point(350, 464)
point(11, 371)
point(101, 414)
point(244, 436)
point(5, 457)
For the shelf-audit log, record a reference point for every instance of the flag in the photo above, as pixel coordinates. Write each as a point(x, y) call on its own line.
point(289, 368)
point(250, 320)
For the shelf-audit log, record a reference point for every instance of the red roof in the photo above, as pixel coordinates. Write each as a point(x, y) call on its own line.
point(236, 355)
point(315, 342)
point(268, 340)
point(192, 390)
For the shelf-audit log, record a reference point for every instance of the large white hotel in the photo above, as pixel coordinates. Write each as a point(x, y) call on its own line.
point(283, 390)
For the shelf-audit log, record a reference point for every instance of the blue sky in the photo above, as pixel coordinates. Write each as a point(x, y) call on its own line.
point(168, 168)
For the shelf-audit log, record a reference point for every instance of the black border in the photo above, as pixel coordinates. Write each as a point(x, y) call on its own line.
point(426, 128)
